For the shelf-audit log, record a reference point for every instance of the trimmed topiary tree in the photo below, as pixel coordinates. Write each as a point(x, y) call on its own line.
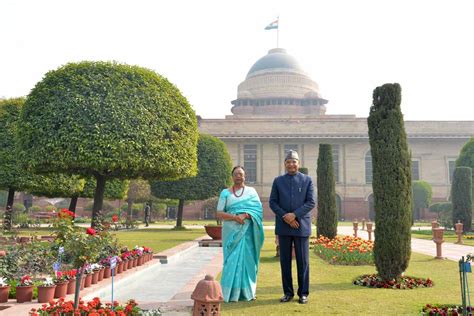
point(422, 193)
point(138, 191)
point(13, 176)
point(214, 174)
point(466, 158)
point(303, 170)
point(391, 182)
point(326, 185)
point(461, 191)
point(108, 121)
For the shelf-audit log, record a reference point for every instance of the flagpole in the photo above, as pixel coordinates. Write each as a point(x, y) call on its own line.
point(278, 30)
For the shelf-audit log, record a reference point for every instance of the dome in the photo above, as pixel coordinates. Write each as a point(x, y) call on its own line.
point(276, 59)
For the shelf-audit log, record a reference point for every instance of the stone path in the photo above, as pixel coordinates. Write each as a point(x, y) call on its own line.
point(428, 247)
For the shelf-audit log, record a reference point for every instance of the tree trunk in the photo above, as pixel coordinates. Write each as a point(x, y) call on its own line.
point(179, 217)
point(11, 196)
point(73, 204)
point(98, 198)
point(129, 208)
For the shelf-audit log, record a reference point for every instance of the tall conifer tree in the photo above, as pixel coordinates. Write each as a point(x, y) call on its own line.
point(391, 182)
point(327, 214)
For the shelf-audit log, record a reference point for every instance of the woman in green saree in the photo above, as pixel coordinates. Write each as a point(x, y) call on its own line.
point(242, 235)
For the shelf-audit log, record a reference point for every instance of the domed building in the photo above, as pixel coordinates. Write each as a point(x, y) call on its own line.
point(280, 107)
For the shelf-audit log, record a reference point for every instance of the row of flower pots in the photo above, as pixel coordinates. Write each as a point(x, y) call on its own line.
point(62, 287)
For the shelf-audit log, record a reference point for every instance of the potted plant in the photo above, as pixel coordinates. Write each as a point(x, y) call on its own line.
point(46, 290)
point(95, 268)
point(71, 277)
point(4, 290)
point(214, 231)
point(61, 284)
point(24, 289)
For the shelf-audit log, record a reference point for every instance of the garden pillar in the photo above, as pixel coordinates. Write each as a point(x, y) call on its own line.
point(459, 231)
point(363, 224)
point(434, 224)
point(438, 239)
point(207, 297)
point(369, 229)
point(355, 224)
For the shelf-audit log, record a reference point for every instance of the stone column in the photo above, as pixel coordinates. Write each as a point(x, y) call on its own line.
point(355, 225)
point(369, 229)
point(438, 239)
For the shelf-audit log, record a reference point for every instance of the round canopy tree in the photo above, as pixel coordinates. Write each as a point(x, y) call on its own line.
point(12, 174)
point(214, 174)
point(422, 193)
point(108, 120)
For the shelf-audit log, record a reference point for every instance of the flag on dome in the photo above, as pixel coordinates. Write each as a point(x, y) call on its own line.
point(273, 25)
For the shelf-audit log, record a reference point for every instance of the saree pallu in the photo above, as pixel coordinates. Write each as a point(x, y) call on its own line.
point(241, 246)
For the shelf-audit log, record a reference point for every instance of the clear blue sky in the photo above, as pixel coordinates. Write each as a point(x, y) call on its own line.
point(207, 47)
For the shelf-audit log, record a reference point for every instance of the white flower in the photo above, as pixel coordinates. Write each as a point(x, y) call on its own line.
point(48, 281)
point(3, 281)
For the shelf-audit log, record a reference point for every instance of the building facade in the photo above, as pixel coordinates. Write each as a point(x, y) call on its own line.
point(279, 107)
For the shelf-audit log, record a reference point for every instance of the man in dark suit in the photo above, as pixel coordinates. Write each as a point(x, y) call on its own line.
point(292, 199)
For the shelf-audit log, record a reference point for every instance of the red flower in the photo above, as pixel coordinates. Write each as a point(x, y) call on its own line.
point(91, 231)
point(115, 218)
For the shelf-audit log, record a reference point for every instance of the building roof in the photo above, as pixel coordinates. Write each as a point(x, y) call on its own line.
point(277, 59)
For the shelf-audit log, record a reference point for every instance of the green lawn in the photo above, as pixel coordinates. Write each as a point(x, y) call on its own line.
point(332, 292)
point(156, 239)
point(449, 236)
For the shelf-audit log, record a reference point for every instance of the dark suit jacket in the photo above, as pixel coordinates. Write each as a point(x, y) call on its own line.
point(292, 193)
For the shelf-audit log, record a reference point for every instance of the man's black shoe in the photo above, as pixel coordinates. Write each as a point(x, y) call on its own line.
point(303, 299)
point(286, 298)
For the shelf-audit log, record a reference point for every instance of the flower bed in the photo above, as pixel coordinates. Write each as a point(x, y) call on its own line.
point(344, 250)
point(94, 307)
point(405, 282)
point(444, 310)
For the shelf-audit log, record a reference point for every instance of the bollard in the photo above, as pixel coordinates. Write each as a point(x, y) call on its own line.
point(355, 224)
point(363, 224)
point(207, 297)
point(434, 224)
point(459, 231)
point(438, 239)
point(369, 229)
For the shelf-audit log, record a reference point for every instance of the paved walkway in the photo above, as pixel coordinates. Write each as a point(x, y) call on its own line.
point(428, 247)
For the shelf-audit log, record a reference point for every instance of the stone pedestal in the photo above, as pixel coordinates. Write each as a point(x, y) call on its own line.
point(369, 229)
point(459, 230)
point(355, 225)
point(438, 239)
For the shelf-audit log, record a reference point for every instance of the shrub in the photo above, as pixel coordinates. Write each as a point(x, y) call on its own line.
point(461, 196)
point(391, 182)
point(326, 185)
point(50, 208)
point(18, 208)
point(35, 209)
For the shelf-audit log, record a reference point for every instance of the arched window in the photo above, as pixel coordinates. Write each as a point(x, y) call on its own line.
point(368, 167)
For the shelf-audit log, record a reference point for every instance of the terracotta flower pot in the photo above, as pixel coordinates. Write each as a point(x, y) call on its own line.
point(119, 268)
point(135, 262)
point(83, 281)
point(140, 261)
point(125, 266)
point(24, 293)
point(71, 286)
point(101, 274)
point(61, 289)
point(95, 277)
point(215, 232)
point(45, 293)
point(4, 291)
point(88, 280)
point(130, 264)
point(107, 272)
